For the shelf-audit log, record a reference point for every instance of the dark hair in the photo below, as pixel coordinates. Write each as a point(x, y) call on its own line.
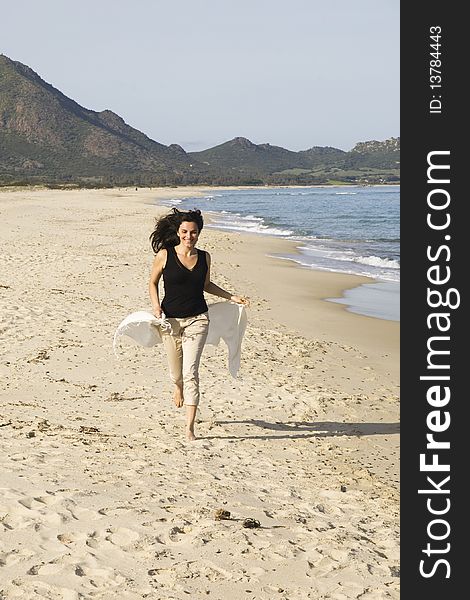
point(164, 235)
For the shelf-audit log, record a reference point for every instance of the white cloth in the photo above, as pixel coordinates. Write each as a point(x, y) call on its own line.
point(227, 321)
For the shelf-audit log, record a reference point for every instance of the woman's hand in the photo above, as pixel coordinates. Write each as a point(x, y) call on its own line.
point(157, 311)
point(240, 300)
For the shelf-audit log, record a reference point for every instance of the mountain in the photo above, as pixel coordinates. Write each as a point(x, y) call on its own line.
point(242, 155)
point(47, 137)
point(367, 162)
point(45, 134)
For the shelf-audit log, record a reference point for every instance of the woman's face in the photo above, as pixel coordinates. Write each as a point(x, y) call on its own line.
point(188, 233)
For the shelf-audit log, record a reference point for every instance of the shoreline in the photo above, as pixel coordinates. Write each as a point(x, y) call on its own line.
point(309, 290)
point(358, 299)
point(41, 187)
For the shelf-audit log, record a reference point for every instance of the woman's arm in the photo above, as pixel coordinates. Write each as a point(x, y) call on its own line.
point(212, 288)
point(157, 269)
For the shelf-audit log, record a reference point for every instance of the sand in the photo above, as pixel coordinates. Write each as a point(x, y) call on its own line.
point(101, 496)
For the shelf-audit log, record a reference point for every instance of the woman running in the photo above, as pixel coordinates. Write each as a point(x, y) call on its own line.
point(186, 276)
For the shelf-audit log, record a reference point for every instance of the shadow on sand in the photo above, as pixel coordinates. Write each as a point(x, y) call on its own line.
point(303, 429)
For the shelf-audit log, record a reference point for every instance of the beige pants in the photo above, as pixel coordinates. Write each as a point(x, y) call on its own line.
point(184, 345)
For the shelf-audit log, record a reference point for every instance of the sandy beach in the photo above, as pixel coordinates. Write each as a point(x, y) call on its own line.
point(101, 496)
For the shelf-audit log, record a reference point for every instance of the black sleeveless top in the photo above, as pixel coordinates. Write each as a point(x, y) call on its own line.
point(184, 287)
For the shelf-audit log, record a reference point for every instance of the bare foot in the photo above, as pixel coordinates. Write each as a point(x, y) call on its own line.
point(190, 435)
point(178, 397)
point(191, 410)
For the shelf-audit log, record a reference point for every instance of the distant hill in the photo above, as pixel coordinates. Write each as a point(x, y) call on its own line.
point(47, 137)
point(242, 155)
point(322, 155)
point(367, 162)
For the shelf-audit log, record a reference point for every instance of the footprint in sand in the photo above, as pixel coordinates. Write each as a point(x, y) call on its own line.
point(13, 520)
point(30, 503)
point(20, 588)
point(99, 577)
point(83, 514)
point(71, 537)
point(50, 568)
point(176, 534)
point(121, 536)
point(8, 559)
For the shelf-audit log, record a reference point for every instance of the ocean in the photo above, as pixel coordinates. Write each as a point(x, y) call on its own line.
point(351, 229)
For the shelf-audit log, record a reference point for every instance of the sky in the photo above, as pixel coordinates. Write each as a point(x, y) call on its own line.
point(291, 73)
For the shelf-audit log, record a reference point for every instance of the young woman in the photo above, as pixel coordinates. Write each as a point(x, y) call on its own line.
point(186, 276)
